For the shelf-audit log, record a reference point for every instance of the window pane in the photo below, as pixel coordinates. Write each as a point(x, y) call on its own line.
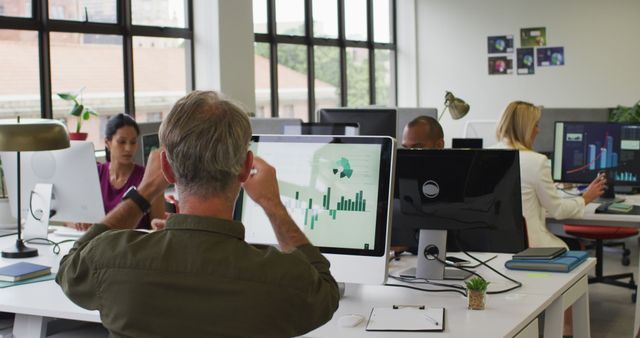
point(290, 17)
point(90, 65)
point(292, 81)
point(20, 84)
point(325, 18)
point(260, 16)
point(357, 77)
point(21, 8)
point(160, 75)
point(159, 13)
point(384, 74)
point(263, 80)
point(327, 73)
point(382, 20)
point(355, 23)
point(83, 10)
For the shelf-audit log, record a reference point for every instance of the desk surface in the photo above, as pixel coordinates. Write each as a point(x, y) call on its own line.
point(44, 298)
point(506, 314)
point(591, 218)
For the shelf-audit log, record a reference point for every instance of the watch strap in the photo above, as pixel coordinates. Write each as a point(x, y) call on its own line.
point(138, 199)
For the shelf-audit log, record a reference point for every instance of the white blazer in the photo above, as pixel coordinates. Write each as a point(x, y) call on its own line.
point(539, 194)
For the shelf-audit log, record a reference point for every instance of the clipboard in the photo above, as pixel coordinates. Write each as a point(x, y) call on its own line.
point(415, 318)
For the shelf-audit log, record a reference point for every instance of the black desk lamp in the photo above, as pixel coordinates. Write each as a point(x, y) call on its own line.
point(29, 135)
point(457, 107)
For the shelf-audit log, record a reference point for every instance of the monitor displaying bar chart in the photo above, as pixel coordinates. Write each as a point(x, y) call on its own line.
point(582, 149)
point(327, 189)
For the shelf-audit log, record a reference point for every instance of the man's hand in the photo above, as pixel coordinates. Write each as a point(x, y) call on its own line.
point(153, 182)
point(262, 185)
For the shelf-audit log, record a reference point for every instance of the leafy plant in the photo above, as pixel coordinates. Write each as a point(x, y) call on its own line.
point(476, 284)
point(79, 110)
point(626, 114)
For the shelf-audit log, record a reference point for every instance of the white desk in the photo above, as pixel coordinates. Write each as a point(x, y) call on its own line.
point(513, 314)
point(35, 303)
point(591, 218)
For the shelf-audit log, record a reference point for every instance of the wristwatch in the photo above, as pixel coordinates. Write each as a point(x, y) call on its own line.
point(140, 201)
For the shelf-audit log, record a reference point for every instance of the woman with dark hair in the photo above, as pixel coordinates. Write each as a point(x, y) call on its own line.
point(120, 173)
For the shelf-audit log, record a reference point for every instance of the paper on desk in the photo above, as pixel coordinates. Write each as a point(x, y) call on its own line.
point(408, 318)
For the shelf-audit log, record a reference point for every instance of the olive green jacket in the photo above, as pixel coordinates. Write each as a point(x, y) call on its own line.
point(197, 278)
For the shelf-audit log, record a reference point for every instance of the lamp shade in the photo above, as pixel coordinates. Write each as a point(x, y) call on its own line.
point(457, 107)
point(32, 135)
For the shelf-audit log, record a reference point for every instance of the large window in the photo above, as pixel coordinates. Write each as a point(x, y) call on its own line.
point(312, 54)
point(119, 56)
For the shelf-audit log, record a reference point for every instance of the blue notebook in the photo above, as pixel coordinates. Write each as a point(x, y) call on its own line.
point(22, 270)
point(563, 263)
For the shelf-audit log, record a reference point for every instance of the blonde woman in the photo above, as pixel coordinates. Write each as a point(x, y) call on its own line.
point(518, 129)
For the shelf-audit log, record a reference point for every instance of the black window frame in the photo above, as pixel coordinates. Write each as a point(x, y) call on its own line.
point(40, 22)
point(273, 39)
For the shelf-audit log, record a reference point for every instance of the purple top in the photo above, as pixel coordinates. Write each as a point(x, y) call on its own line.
point(112, 196)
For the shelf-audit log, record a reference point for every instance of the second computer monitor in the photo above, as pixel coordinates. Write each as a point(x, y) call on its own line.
point(582, 149)
point(466, 143)
point(474, 194)
point(372, 121)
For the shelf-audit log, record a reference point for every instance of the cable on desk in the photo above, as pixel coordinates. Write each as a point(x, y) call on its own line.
point(416, 280)
point(46, 241)
point(518, 284)
point(425, 290)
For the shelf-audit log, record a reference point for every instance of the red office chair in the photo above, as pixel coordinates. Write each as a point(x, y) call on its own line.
point(599, 234)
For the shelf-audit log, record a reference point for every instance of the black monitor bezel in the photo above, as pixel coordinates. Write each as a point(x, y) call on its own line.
point(387, 163)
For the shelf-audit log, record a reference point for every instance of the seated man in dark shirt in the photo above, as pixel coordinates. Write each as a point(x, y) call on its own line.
point(198, 277)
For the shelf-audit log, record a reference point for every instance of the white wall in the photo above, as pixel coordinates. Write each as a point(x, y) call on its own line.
point(601, 44)
point(224, 56)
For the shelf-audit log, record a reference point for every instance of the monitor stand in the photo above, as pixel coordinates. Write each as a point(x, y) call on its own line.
point(37, 224)
point(433, 243)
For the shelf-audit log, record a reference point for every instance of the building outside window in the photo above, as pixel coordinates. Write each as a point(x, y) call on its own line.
point(313, 54)
point(139, 66)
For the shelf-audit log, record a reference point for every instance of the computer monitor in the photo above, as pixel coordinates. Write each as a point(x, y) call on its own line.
point(72, 172)
point(148, 143)
point(272, 125)
point(146, 128)
point(319, 128)
point(338, 189)
point(466, 143)
point(582, 149)
point(372, 121)
point(472, 194)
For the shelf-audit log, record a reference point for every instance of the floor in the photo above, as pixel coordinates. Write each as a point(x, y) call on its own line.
point(612, 312)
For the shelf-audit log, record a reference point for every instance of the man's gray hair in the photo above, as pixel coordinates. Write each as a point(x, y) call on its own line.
point(206, 138)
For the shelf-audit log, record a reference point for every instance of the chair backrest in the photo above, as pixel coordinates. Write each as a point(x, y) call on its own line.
point(484, 129)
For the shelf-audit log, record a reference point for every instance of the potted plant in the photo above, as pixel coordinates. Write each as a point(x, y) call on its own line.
point(79, 110)
point(476, 293)
point(626, 114)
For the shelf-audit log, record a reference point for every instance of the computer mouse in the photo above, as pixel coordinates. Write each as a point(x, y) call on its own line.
point(350, 320)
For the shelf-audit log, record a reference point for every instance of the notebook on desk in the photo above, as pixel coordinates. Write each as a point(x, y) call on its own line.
point(563, 263)
point(406, 318)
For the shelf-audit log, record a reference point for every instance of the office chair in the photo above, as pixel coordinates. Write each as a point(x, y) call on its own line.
point(599, 234)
